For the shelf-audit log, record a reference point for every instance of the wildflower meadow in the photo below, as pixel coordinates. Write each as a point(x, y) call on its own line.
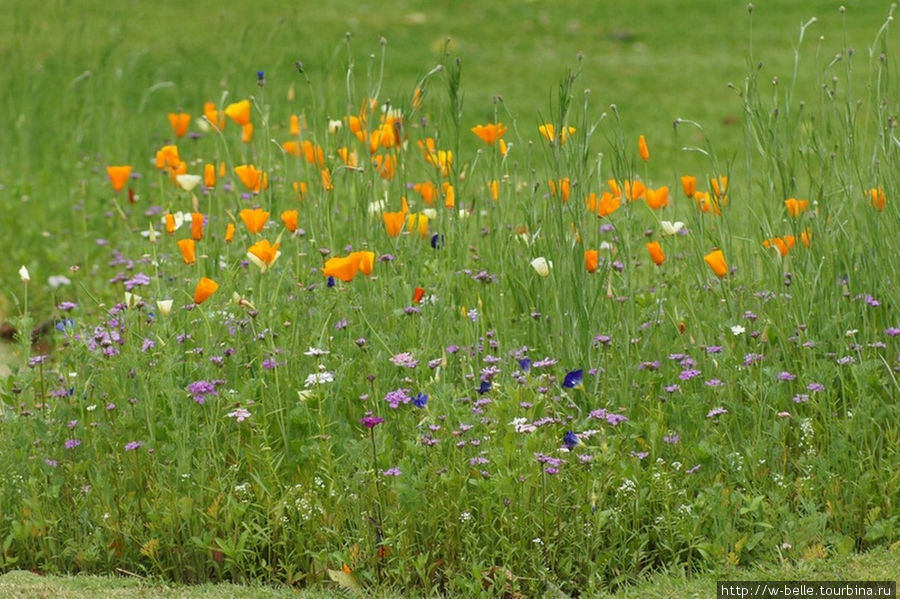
point(304, 322)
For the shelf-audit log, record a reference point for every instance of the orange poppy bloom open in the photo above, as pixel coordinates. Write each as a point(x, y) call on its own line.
point(253, 179)
point(118, 176)
point(449, 194)
point(657, 198)
point(263, 254)
point(205, 288)
point(393, 222)
point(490, 133)
point(656, 253)
point(716, 261)
point(796, 207)
point(346, 267)
point(186, 246)
point(427, 190)
point(239, 112)
point(179, 122)
point(689, 185)
point(255, 219)
point(212, 115)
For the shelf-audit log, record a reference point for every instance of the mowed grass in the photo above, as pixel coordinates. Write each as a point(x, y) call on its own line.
point(510, 392)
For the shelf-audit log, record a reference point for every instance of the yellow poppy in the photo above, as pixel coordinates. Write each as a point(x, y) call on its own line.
point(417, 223)
point(118, 176)
point(489, 133)
point(716, 261)
point(205, 288)
point(179, 122)
point(255, 219)
point(239, 112)
point(289, 218)
point(656, 253)
point(186, 246)
point(548, 130)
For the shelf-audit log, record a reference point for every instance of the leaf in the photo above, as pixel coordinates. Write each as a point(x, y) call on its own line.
point(344, 580)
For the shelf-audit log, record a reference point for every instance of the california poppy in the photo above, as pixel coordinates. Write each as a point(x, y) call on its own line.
point(560, 188)
point(118, 176)
point(656, 253)
point(385, 165)
point(239, 112)
point(796, 207)
point(263, 254)
point(205, 288)
point(657, 198)
point(289, 218)
point(300, 189)
point(254, 219)
point(252, 178)
point(418, 294)
point(591, 260)
point(167, 158)
point(179, 122)
point(327, 184)
point(365, 261)
point(720, 187)
point(494, 187)
point(806, 237)
point(489, 133)
point(209, 175)
point(229, 232)
point(877, 198)
point(393, 222)
point(716, 261)
point(348, 157)
point(212, 116)
point(427, 190)
point(345, 268)
point(642, 149)
point(186, 246)
point(449, 194)
point(170, 223)
point(542, 266)
point(689, 185)
point(247, 133)
point(608, 204)
point(417, 223)
point(635, 190)
point(295, 125)
point(783, 244)
point(548, 130)
point(196, 226)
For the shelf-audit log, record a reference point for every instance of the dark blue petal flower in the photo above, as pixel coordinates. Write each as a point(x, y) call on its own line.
point(573, 379)
point(484, 387)
point(331, 281)
point(525, 364)
point(420, 400)
point(437, 241)
point(571, 440)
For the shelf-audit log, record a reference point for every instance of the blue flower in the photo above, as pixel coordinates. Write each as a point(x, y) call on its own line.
point(525, 364)
point(484, 387)
point(573, 379)
point(65, 324)
point(420, 400)
point(331, 281)
point(571, 440)
point(437, 241)
point(260, 78)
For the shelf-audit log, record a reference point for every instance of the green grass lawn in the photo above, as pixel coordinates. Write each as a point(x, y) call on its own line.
point(532, 369)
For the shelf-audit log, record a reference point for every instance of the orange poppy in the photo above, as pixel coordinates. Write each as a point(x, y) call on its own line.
point(292, 147)
point(783, 244)
point(196, 226)
point(212, 115)
point(205, 288)
point(877, 198)
point(806, 237)
point(118, 176)
point(494, 187)
point(449, 194)
point(167, 157)
point(365, 261)
point(418, 294)
point(385, 165)
point(289, 218)
point(393, 222)
point(229, 232)
point(295, 125)
point(179, 122)
point(345, 268)
point(386, 135)
point(239, 112)
point(209, 175)
point(720, 187)
point(348, 157)
point(186, 246)
point(313, 153)
point(327, 185)
point(263, 254)
point(489, 133)
point(642, 149)
point(608, 203)
point(634, 190)
point(247, 133)
point(170, 223)
point(656, 253)
point(796, 207)
point(716, 261)
point(254, 219)
point(689, 185)
point(427, 190)
point(252, 178)
point(705, 204)
point(300, 189)
point(560, 188)
point(658, 198)
point(591, 260)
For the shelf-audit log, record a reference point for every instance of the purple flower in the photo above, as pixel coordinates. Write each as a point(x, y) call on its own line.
point(404, 359)
point(671, 439)
point(801, 398)
point(610, 417)
point(751, 359)
point(72, 443)
point(137, 280)
point(602, 339)
point(202, 389)
point(815, 387)
point(716, 412)
point(397, 397)
point(786, 376)
point(392, 472)
point(341, 324)
point(239, 414)
point(846, 360)
point(688, 373)
point(892, 331)
point(714, 383)
point(692, 469)
point(478, 460)
point(66, 306)
point(672, 388)
point(571, 440)
point(36, 360)
point(133, 445)
point(370, 421)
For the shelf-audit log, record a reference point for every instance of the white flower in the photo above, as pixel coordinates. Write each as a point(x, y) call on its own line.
point(58, 281)
point(132, 299)
point(430, 213)
point(376, 207)
point(23, 274)
point(318, 378)
point(178, 217)
point(851, 332)
point(165, 306)
point(542, 266)
point(315, 351)
point(334, 125)
point(670, 228)
point(188, 182)
point(738, 330)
